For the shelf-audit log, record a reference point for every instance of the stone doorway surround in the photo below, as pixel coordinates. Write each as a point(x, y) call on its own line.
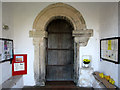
point(39, 34)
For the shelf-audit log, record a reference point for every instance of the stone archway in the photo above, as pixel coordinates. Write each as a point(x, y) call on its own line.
point(80, 33)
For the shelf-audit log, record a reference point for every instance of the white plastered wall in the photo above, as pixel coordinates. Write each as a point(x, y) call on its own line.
point(109, 28)
point(7, 18)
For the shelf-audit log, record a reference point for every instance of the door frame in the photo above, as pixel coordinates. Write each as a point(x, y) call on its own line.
point(80, 33)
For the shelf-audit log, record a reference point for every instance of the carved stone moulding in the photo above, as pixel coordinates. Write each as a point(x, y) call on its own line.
point(38, 33)
point(80, 33)
point(82, 36)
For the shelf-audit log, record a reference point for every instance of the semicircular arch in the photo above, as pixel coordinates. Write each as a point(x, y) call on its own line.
point(59, 10)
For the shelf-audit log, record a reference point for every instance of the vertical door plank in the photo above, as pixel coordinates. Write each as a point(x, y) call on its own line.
point(60, 51)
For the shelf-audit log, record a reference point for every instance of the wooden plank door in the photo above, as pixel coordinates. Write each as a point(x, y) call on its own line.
point(59, 62)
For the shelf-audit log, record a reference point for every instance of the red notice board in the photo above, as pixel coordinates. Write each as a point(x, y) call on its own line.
point(19, 64)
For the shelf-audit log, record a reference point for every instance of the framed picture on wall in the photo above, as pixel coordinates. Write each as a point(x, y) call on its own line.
point(110, 49)
point(6, 50)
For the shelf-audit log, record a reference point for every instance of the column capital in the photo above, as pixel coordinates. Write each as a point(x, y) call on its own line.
point(38, 41)
point(82, 41)
point(82, 36)
point(38, 33)
point(82, 33)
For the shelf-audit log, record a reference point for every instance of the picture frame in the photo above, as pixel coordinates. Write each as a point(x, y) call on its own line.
point(110, 49)
point(6, 50)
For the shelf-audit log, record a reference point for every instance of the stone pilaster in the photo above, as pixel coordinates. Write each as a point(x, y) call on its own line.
point(42, 61)
point(76, 61)
point(36, 61)
point(81, 38)
point(39, 56)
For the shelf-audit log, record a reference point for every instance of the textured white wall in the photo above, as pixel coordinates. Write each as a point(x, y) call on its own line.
point(109, 28)
point(109, 20)
point(6, 19)
point(8, 34)
point(90, 12)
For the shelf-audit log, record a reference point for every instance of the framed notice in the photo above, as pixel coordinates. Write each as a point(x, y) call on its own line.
point(110, 49)
point(19, 64)
point(6, 50)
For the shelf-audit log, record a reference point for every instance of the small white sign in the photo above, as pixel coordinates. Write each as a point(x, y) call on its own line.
point(19, 66)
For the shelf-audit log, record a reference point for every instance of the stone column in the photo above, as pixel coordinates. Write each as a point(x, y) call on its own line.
point(39, 61)
point(36, 61)
point(42, 56)
point(76, 61)
point(81, 38)
point(39, 56)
